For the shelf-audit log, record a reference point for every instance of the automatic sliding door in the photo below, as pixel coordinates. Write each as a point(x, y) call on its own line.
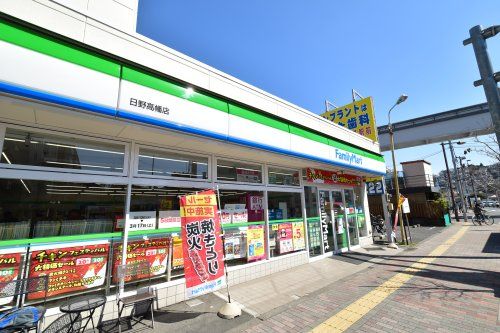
point(351, 217)
point(339, 220)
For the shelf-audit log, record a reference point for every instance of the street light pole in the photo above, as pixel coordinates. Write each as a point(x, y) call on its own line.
point(400, 100)
point(449, 183)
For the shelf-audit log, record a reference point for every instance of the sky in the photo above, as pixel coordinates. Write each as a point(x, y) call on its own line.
point(309, 51)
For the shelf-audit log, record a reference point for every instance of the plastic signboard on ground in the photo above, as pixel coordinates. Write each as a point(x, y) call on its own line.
point(154, 251)
point(70, 269)
point(202, 244)
point(9, 271)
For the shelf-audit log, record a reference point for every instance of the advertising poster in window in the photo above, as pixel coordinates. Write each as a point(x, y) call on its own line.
point(138, 221)
point(202, 244)
point(177, 258)
point(255, 243)
point(154, 251)
point(285, 237)
point(248, 176)
point(9, 271)
point(169, 219)
point(299, 242)
point(233, 247)
point(70, 269)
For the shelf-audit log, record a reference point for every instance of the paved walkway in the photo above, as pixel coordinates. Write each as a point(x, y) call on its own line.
point(448, 283)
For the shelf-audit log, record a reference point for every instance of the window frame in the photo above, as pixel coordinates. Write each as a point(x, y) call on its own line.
point(299, 171)
point(136, 173)
point(216, 173)
point(91, 138)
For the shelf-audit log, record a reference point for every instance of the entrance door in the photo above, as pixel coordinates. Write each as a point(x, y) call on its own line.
point(350, 210)
point(325, 206)
point(339, 220)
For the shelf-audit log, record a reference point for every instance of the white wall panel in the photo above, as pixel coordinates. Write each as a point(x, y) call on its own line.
point(181, 111)
point(10, 110)
point(309, 147)
point(242, 128)
point(113, 13)
point(115, 42)
point(48, 15)
point(41, 72)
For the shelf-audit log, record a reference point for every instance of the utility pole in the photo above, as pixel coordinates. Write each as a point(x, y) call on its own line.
point(471, 180)
point(488, 79)
point(460, 190)
point(455, 209)
point(462, 171)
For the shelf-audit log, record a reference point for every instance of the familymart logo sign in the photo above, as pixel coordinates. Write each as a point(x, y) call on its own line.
point(350, 158)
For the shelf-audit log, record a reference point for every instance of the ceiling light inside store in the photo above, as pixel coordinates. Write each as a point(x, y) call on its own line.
point(83, 148)
point(80, 165)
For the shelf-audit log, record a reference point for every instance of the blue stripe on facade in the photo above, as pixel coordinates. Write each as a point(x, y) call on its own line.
point(52, 98)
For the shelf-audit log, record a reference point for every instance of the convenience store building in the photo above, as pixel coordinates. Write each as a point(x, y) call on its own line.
point(97, 121)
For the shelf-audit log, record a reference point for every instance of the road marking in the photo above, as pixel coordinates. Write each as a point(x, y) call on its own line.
point(344, 319)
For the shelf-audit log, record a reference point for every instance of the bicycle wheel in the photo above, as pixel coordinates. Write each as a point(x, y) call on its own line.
point(476, 221)
point(488, 220)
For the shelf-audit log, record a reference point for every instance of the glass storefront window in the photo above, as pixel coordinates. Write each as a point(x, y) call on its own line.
point(48, 150)
point(360, 211)
point(286, 225)
point(350, 210)
point(37, 208)
point(242, 220)
point(313, 220)
point(156, 207)
point(157, 163)
point(279, 176)
point(238, 171)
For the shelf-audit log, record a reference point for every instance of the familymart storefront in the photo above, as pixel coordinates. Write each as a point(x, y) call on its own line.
point(86, 138)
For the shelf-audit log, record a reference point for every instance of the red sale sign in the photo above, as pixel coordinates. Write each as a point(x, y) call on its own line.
point(9, 271)
point(70, 269)
point(201, 244)
point(154, 251)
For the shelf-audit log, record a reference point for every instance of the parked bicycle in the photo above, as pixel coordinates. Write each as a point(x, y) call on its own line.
point(378, 224)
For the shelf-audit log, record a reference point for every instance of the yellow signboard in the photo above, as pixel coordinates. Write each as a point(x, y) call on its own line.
point(358, 117)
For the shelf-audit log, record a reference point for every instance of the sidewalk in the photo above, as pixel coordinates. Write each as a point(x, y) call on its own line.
point(262, 297)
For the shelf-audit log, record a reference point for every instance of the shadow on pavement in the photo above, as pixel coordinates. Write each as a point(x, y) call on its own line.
point(492, 244)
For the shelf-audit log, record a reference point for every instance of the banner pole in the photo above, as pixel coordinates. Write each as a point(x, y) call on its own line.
point(223, 236)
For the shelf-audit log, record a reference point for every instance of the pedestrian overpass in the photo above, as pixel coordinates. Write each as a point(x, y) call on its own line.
point(455, 124)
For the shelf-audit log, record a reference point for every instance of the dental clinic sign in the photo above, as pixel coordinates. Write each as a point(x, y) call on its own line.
point(331, 177)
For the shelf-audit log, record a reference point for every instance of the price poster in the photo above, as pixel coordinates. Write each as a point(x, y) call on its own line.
point(154, 251)
point(201, 243)
point(9, 271)
point(255, 243)
point(70, 269)
point(285, 237)
point(299, 242)
point(177, 257)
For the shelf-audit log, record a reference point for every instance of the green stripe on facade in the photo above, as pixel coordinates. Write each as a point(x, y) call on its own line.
point(50, 46)
point(160, 84)
point(35, 41)
point(258, 117)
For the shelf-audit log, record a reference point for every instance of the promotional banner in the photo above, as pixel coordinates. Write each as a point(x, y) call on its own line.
point(177, 256)
point(70, 269)
point(154, 251)
point(331, 177)
point(201, 243)
point(285, 240)
point(358, 117)
point(9, 271)
point(255, 243)
point(299, 242)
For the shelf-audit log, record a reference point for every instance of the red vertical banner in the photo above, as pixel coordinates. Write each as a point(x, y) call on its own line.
point(201, 244)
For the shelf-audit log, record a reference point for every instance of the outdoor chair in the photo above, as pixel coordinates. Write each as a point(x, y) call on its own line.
point(65, 324)
point(142, 303)
point(20, 288)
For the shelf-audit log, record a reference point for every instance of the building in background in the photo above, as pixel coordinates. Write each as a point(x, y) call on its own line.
point(97, 122)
